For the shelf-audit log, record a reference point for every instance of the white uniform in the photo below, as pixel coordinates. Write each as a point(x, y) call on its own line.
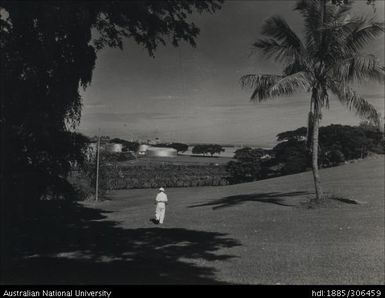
point(161, 199)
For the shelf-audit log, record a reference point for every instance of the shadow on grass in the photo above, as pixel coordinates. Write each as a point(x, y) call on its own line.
point(330, 201)
point(344, 200)
point(276, 198)
point(71, 244)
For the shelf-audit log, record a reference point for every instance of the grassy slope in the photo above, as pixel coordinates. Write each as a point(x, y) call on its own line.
point(273, 239)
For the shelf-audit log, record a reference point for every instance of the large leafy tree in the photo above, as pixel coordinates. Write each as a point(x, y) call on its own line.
point(48, 51)
point(326, 62)
point(246, 165)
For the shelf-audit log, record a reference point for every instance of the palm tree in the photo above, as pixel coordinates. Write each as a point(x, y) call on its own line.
point(327, 61)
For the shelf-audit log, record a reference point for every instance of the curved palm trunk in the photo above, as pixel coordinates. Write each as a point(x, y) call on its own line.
point(314, 147)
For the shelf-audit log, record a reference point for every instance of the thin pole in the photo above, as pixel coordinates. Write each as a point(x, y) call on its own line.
point(97, 167)
point(183, 85)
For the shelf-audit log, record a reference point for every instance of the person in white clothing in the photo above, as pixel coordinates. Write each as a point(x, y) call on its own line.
point(160, 201)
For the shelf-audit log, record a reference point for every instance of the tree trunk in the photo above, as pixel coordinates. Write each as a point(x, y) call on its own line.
point(316, 177)
point(316, 100)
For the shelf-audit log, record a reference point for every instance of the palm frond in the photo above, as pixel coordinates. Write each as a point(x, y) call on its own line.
point(283, 45)
point(310, 10)
point(298, 65)
point(277, 28)
point(270, 48)
point(356, 103)
point(269, 86)
point(341, 11)
point(362, 32)
point(287, 85)
point(334, 45)
point(358, 68)
point(308, 7)
point(261, 84)
point(347, 35)
point(293, 59)
point(336, 32)
point(328, 61)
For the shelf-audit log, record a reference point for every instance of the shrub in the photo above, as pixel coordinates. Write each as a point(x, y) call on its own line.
point(155, 175)
point(293, 156)
point(246, 167)
point(333, 158)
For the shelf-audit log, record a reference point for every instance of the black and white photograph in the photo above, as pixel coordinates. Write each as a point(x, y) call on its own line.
point(192, 142)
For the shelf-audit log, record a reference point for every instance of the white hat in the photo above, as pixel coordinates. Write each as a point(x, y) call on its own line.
point(161, 189)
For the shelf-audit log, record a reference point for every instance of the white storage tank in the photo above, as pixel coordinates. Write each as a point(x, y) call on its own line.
point(143, 149)
point(114, 147)
point(161, 152)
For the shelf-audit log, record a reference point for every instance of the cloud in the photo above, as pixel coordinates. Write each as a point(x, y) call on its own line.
point(166, 97)
point(94, 106)
point(125, 117)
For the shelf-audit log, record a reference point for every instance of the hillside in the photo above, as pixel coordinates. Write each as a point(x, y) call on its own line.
point(263, 234)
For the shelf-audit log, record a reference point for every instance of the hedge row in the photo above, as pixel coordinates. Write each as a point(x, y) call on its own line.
point(153, 176)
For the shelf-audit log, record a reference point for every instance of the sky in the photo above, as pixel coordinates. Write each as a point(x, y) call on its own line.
point(193, 95)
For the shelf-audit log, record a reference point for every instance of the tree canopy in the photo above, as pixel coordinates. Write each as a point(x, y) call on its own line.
point(337, 143)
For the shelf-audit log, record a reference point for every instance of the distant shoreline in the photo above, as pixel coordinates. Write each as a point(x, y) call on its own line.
point(234, 145)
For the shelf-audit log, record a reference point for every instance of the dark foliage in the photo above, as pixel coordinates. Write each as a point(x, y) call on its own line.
point(298, 134)
point(293, 156)
point(179, 147)
point(338, 143)
point(114, 176)
point(246, 167)
point(127, 145)
point(352, 141)
point(333, 158)
point(108, 161)
point(208, 149)
point(342, 2)
point(114, 157)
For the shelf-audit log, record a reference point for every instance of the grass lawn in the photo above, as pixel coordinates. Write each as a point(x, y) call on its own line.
point(252, 233)
point(264, 234)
